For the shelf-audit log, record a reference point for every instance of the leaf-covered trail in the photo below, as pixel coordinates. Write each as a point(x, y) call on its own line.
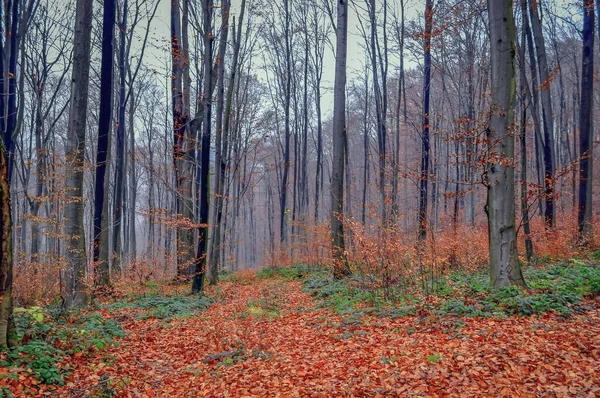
point(267, 338)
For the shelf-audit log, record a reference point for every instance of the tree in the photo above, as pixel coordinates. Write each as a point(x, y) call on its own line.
point(500, 208)
point(8, 125)
point(339, 133)
point(424, 177)
point(204, 158)
point(75, 254)
point(219, 164)
point(586, 131)
point(183, 148)
point(525, 95)
point(547, 115)
point(101, 191)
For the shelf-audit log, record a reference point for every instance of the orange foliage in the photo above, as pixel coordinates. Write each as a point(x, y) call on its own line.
point(229, 351)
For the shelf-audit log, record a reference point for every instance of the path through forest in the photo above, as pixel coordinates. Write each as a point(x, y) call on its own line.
point(266, 337)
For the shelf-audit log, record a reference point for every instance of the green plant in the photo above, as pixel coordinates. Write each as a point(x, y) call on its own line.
point(165, 307)
point(41, 359)
point(435, 358)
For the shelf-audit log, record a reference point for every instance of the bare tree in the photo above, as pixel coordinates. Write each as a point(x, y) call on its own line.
point(505, 269)
point(75, 254)
point(101, 191)
point(424, 177)
point(339, 133)
point(586, 131)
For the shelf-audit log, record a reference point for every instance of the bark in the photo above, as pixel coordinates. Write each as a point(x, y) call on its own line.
point(283, 233)
point(547, 115)
point(586, 131)
point(101, 208)
point(75, 255)
point(505, 269)
point(526, 95)
point(200, 262)
point(424, 177)
point(341, 267)
point(219, 163)
point(8, 332)
point(183, 152)
point(120, 146)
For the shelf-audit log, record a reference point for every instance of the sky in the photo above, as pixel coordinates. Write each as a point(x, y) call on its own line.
point(160, 47)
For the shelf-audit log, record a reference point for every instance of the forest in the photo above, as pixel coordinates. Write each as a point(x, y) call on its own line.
point(256, 198)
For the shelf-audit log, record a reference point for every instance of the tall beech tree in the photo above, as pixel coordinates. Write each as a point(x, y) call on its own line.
point(339, 135)
point(505, 269)
point(8, 124)
point(74, 228)
point(219, 145)
point(102, 184)
point(424, 177)
point(204, 153)
point(183, 146)
point(586, 131)
point(547, 114)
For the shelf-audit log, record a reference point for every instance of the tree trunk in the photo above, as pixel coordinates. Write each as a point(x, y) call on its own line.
point(75, 254)
point(182, 150)
point(341, 267)
point(200, 262)
point(547, 115)
point(424, 178)
point(526, 95)
point(8, 332)
point(219, 172)
point(586, 131)
point(101, 208)
point(286, 154)
point(120, 147)
point(505, 269)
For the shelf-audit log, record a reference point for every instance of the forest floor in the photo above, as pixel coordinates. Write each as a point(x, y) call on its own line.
point(267, 337)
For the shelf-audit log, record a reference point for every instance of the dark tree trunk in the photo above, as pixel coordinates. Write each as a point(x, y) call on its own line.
point(101, 257)
point(183, 150)
point(547, 115)
point(586, 131)
point(424, 177)
point(204, 160)
point(219, 172)
point(120, 146)
point(526, 95)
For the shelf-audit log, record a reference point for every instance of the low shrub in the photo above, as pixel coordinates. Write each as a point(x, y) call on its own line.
point(165, 307)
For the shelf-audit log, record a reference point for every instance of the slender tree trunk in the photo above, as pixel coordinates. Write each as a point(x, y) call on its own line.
point(424, 178)
point(219, 172)
point(504, 264)
point(183, 151)
point(286, 154)
point(586, 131)
point(200, 263)
point(120, 147)
point(341, 267)
point(547, 115)
point(526, 95)
point(539, 165)
point(8, 332)
point(101, 208)
point(75, 254)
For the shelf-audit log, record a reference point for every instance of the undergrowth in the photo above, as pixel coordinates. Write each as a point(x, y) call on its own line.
point(557, 288)
point(48, 335)
point(165, 308)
